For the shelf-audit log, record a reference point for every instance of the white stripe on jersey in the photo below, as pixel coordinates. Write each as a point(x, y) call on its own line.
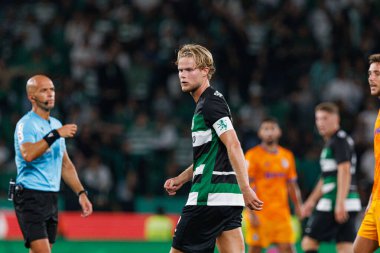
point(328, 187)
point(223, 173)
point(192, 199)
point(225, 199)
point(352, 205)
point(201, 137)
point(328, 165)
point(199, 169)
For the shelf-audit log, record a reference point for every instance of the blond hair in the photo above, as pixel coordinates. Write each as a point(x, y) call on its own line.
point(202, 57)
point(328, 107)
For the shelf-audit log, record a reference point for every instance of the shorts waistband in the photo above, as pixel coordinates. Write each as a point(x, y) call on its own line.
point(21, 189)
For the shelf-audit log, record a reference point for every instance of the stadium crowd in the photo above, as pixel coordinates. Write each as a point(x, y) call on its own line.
point(113, 64)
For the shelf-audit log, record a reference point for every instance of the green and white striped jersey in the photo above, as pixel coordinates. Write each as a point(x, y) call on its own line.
point(214, 181)
point(340, 148)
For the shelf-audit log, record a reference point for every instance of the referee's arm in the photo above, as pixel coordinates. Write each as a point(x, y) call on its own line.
point(70, 176)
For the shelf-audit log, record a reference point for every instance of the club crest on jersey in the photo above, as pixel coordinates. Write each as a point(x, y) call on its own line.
point(222, 124)
point(377, 130)
point(285, 163)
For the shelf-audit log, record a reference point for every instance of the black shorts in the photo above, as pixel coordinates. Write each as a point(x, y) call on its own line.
point(322, 227)
point(199, 226)
point(37, 214)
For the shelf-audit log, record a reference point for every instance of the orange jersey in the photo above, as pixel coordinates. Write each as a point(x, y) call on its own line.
point(376, 144)
point(269, 174)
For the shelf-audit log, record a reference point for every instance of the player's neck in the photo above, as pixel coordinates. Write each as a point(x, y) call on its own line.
point(197, 93)
point(41, 112)
point(328, 136)
point(271, 148)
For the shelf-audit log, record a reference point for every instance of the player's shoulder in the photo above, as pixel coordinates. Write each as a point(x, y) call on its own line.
point(341, 136)
point(213, 95)
point(54, 120)
point(285, 151)
point(254, 150)
point(26, 119)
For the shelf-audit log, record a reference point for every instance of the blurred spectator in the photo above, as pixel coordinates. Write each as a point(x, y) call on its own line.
point(126, 190)
point(98, 181)
point(113, 64)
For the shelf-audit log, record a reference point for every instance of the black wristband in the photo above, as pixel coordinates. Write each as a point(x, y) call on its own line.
point(81, 192)
point(51, 137)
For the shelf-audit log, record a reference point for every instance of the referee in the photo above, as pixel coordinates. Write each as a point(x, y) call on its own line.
point(41, 160)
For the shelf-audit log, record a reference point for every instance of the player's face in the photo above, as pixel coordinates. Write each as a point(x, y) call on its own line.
point(327, 123)
point(45, 95)
point(269, 132)
point(374, 78)
point(190, 76)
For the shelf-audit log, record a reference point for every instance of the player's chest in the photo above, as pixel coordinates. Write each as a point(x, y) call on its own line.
point(274, 167)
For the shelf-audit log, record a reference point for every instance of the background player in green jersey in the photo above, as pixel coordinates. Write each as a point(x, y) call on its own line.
point(335, 196)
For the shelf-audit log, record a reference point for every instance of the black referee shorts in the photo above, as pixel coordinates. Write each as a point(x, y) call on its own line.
point(37, 214)
point(322, 227)
point(199, 226)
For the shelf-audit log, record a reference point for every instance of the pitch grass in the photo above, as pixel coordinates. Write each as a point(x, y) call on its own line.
point(64, 246)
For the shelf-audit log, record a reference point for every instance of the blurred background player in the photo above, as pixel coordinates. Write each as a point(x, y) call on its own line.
point(273, 176)
point(368, 238)
point(336, 191)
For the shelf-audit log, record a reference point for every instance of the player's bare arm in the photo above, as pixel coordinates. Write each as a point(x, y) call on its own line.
point(295, 196)
point(344, 181)
point(236, 156)
point(311, 201)
point(172, 185)
point(70, 176)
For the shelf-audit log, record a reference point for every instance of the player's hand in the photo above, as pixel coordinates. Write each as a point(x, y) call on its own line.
point(68, 130)
point(307, 208)
point(172, 186)
point(85, 205)
point(251, 200)
point(341, 215)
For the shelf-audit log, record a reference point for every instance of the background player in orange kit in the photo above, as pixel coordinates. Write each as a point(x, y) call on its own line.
point(368, 237)
point(273, 176)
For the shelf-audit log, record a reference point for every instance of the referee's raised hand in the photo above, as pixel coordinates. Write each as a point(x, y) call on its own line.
point(68, 130)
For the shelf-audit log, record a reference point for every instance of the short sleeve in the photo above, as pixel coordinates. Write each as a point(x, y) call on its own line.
point(217, 114)
point(25, 133)
point(342, 150)
point(292, 174)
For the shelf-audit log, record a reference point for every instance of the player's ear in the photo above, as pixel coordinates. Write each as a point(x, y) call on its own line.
point(31, 98)
point(205, 71)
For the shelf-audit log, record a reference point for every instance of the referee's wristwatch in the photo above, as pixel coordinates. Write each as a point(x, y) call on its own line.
point(81, 192)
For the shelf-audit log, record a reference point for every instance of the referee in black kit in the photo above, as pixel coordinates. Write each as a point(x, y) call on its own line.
point(42, 160)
